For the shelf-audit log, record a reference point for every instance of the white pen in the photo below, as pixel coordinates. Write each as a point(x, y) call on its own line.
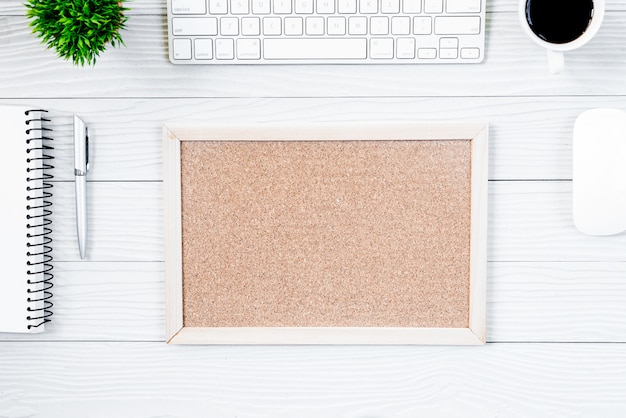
point(81, 167)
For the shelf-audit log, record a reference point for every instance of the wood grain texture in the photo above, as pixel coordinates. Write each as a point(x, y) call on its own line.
point(96, 301)
point(125, 221)
point(566, 302)
point(143, 69)
point(532, 221)
point(531, 137)
point(104, 353)
point(151, 380)
point(558, 302)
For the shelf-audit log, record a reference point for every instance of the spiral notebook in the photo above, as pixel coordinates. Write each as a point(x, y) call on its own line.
point(25, 224)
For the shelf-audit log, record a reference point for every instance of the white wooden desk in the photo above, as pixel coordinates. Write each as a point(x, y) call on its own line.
point(556, 299)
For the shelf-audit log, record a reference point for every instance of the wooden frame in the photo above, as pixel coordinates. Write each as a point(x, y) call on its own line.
point(176, 332)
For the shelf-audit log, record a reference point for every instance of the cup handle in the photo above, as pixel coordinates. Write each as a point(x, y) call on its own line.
point(556, 61)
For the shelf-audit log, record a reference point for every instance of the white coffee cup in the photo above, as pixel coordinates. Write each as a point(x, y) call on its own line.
point(553, 31)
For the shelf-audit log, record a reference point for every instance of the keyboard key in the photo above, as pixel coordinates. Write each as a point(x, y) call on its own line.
point(304, 7)
point(182, 49)
point(390, 6)
point(346, 6)
point(293, 26)
point(412, 6)
point(463, 6)
point(188, 7)
point(248, 49)
point(250, 26)
point(379, 25)
point(203, 26)
point(381, 48)
point(422, 25)
point(282, 7)
point(470, 53)
point(400, 25)
point(261, 7)
point(224, 49)
point(218, 7)
point(314, 48)
point(325, 7)
point(272, 26)
point(239, 7)
point(462, 25)
point(426, 53)
point(405, 48)
point(433, 6)
point(368, 6)
point(448, 43)
point(448, 53)
point(336, 26)
point(203, 49)
point(357, 25)
point(314, 26)
point(229, 26)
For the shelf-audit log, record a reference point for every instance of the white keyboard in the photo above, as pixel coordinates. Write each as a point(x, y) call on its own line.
point(325, 31)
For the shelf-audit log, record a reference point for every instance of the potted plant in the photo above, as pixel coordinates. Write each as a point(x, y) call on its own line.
point(78, 29)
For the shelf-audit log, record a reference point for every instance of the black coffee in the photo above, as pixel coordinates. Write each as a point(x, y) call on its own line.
point(559, 21)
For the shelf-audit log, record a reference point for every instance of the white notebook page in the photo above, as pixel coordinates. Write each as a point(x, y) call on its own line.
point(13, 221)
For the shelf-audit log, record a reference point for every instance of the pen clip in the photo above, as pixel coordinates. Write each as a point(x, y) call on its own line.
point(81, 147)
point(86, 148)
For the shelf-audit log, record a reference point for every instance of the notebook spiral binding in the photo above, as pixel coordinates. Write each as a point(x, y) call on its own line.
point(39, 210)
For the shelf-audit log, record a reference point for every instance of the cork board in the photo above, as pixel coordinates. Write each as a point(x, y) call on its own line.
point(332, 234)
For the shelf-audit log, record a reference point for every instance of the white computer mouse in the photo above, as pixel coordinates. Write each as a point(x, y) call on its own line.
point(599, 172)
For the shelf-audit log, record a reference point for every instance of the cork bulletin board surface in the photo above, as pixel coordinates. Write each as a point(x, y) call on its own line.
point(293, 235)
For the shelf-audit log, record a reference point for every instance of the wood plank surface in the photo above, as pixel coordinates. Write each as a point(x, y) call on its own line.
point(564, 302)
point(532, 221)
point(142, 67)
point(530, 137)
point(155, 380)
point(556, 306)
point(125, 221)
point(557, 302)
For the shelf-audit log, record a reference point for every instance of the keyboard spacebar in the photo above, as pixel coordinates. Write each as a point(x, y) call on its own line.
point(312, 49)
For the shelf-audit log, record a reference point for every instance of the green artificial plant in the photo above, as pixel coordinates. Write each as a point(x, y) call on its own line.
point(79, 30)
